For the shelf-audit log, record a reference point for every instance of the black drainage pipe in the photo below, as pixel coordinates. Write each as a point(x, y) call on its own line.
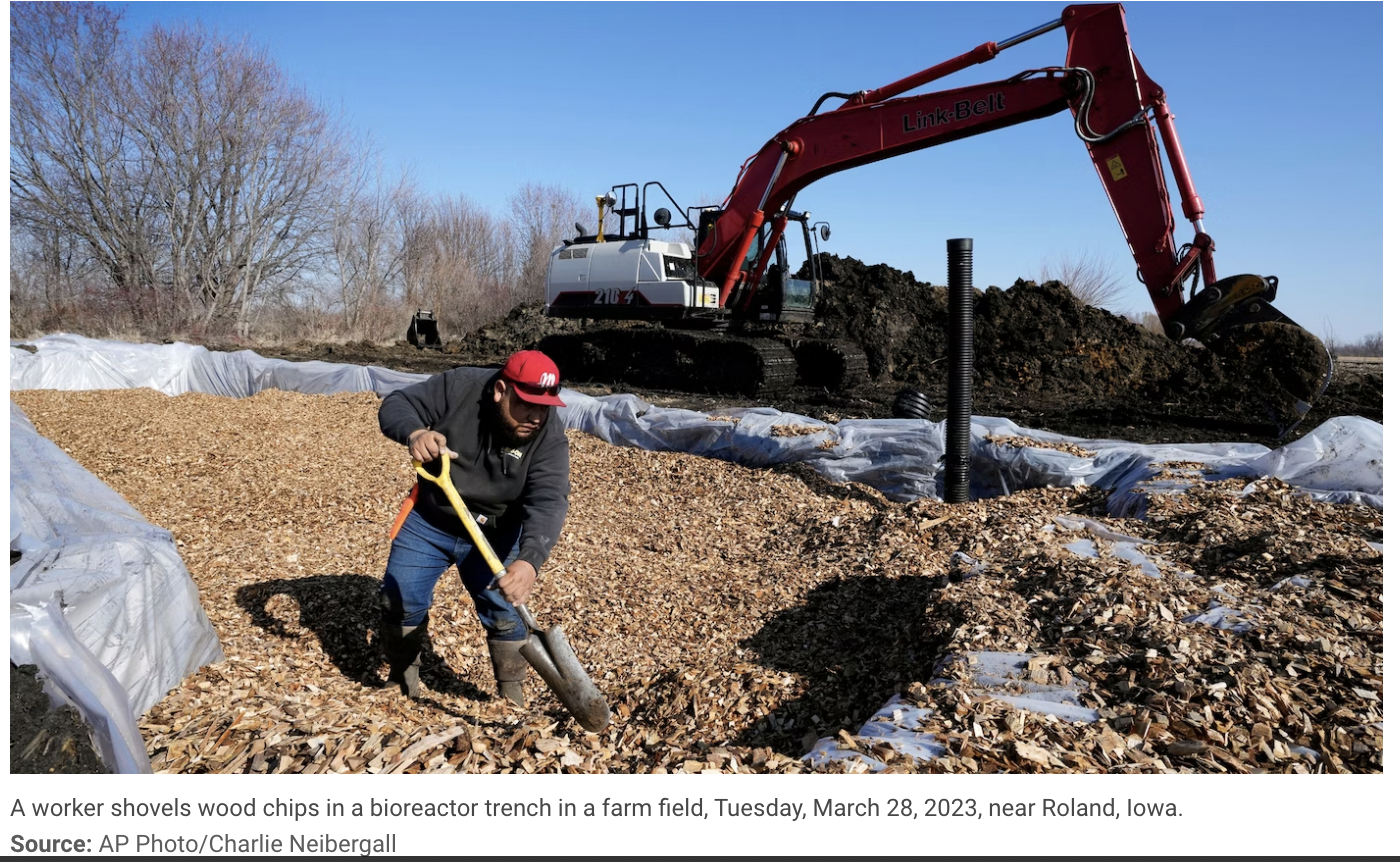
point(957, 460)
point(910, 403)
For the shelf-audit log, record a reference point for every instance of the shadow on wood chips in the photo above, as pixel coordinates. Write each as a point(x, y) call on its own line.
point(858, 640)
point(341, 613)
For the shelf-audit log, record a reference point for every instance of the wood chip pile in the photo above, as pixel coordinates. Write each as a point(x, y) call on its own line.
point(734, 616)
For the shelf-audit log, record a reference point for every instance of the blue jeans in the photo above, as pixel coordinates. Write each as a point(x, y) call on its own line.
point(419, 556)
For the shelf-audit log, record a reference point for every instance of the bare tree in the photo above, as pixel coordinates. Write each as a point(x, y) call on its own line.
point(1369, 345)
point(265, 181)
point(194, 172)
point(1088, 276)
point(207, 189)
point(414, 222)
point(75, 167)
point(50, 272)
point(540, 217)
point(457, 262)
point(1329, 337)
point(368, 244)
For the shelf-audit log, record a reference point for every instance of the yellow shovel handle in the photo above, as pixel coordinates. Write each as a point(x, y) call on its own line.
point(488, 553)
point(444, 482)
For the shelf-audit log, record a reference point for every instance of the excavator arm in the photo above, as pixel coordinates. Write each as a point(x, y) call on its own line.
point(819, 145)
point(1119, 118)
point(1118, 111)
point(1122, 117)
point(1117, 126)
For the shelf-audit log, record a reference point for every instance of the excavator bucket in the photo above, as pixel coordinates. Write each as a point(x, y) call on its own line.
point(423, 331)
point(1286, 367)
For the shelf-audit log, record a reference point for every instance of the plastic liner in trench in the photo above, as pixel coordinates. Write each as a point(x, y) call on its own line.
point(93, 569)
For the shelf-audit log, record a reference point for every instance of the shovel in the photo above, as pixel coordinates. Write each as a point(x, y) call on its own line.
point(548, 652)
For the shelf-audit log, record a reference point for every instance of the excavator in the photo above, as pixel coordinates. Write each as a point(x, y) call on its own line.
point(722, 303)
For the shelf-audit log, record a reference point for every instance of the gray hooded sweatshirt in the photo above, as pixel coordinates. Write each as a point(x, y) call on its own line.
point(509, 484)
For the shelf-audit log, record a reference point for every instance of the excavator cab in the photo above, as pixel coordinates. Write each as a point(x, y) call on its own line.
point(785, 298)
point(641, 268)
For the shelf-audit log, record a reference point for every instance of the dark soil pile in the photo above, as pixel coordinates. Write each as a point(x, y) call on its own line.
point(45, 740)
point(522, 328)
point(1042, 359)
point(1039, 349)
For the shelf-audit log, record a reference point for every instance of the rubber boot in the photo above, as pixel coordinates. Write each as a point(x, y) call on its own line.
point(510, 667)
point(403, 647)
point(404, 650)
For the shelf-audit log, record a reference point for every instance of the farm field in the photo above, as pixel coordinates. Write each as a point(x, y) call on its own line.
point(734, 616)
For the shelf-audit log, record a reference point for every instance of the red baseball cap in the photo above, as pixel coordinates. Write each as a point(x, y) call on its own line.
point(534, 376)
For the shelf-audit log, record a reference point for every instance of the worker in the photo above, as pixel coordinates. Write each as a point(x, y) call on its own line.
point(510, 464)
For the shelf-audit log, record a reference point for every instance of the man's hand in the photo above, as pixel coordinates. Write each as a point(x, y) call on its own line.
point(517, 582)
point(425, 445)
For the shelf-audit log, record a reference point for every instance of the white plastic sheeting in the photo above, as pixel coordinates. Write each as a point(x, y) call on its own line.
point(74, 362)
point(1124, 547)
point(897, 725)
point(131, 626)
point(1340, 461)
point(898, 457)
point(74, 675)
point(1007, 677)
point(1004, 676)
point(79, 537)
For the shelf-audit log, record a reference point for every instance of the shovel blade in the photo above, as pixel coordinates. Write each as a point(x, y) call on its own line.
point(554, 660)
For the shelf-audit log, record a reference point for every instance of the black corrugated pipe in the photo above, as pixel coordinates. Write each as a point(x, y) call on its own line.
point(957, 460)
point(910, 403)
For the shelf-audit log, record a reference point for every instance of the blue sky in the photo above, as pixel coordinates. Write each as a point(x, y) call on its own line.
point(1279, 108)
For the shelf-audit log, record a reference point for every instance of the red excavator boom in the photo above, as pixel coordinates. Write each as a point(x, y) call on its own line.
point(1118, 111)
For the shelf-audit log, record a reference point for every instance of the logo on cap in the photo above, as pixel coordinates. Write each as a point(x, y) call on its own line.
point(526, 366)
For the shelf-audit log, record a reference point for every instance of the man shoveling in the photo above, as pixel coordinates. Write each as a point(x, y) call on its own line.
point(510, 464)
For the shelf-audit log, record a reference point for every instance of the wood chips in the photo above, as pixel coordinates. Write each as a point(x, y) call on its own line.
point(733, 616)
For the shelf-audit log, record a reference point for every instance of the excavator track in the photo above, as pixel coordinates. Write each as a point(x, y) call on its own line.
point(833, 365)
point(686, 360)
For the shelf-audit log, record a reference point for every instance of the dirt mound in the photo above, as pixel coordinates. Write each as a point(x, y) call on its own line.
point(1036, 344)
point(522, 329)
point(44, 740)
point(1042, 359)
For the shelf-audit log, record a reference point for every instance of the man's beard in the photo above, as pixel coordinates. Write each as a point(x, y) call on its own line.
point(507, 434)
